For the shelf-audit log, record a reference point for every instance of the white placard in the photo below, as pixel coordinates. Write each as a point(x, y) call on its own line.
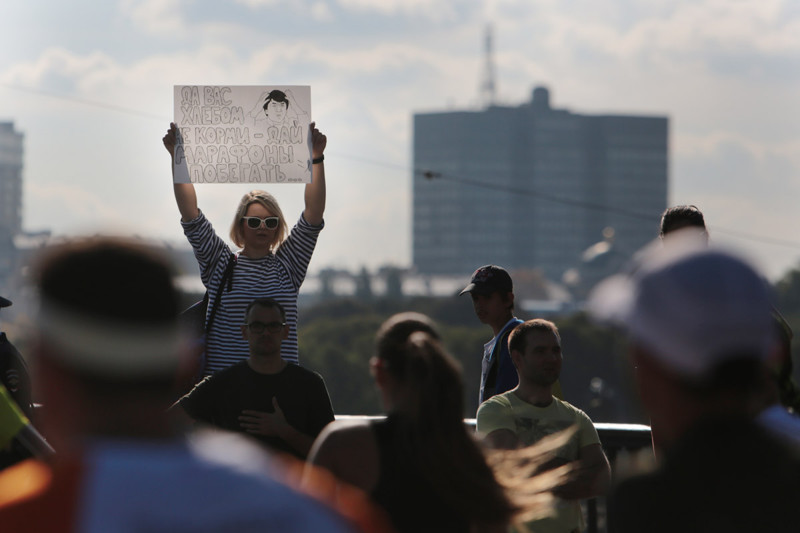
point(242, 134)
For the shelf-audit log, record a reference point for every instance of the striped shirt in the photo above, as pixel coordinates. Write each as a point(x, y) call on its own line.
point(277, 276)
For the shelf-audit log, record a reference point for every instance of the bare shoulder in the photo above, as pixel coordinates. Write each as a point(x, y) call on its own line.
point(348, 449)
point(341, 437)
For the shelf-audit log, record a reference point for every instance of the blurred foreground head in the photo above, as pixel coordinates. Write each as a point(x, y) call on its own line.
point(691, 307)
point(108, 309)
point(109, 346)
point(701, 326)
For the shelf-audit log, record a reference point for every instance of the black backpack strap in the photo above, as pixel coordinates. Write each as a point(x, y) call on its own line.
point(226, 277)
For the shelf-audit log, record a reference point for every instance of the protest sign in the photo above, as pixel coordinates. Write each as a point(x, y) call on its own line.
point(242, 134)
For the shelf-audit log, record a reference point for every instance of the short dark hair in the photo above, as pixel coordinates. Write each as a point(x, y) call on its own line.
point(278, 96)
point(681, 216)
point(269, 303)
point(517, 339)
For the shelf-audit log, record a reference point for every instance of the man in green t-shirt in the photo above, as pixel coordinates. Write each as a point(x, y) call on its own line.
point(529, 412)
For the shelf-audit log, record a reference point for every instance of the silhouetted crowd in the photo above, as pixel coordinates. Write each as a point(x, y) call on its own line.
point(157, 426)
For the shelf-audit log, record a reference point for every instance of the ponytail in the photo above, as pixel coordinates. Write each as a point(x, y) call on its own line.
point(433, 431)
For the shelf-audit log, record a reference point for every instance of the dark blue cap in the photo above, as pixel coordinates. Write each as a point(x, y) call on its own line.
point(488, 279)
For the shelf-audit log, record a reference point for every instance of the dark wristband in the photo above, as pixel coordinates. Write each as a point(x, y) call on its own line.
point(319, 159)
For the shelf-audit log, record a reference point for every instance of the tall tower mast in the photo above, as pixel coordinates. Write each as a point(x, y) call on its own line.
point(487, 89)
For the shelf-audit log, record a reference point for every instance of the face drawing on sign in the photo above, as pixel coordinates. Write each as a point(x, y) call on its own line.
point(275, 106)
point(283, 124)
point(278, 108)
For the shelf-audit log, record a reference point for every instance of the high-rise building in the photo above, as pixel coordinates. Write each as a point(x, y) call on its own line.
point(10, 200)
point(532, 187)
point(10, 182)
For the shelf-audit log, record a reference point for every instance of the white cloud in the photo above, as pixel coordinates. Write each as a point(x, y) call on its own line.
point(321, 9)
point(259, 3)
point(155, 16)
point(721, 70)
point(56, 62)
point(73, 203)
point(688, 145)
point(695, 28)
point(321, 12)
point(432, 9)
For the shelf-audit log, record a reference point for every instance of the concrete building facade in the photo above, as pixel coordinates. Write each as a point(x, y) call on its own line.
point(10, 197)
point(532, 187)
point(10, 181)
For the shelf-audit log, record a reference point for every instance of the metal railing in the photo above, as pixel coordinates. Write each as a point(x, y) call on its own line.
point(615, 439)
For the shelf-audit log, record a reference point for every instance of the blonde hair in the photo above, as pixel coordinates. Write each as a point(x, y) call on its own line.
point(270, 204)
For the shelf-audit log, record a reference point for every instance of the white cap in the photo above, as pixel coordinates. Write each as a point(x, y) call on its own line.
point(690, 305)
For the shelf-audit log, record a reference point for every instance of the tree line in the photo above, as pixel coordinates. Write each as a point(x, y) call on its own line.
point(337, 340)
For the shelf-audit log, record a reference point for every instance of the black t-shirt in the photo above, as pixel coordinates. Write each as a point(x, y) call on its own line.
point(721, 476)
point(14, 375)
point(301, 393)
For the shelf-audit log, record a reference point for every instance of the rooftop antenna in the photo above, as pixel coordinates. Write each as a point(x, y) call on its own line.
point(487, 89)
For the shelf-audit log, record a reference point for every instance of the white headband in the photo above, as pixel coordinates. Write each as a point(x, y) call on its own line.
point(108, 347)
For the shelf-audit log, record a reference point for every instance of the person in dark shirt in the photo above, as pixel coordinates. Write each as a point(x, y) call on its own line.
point(701, 333)
point(492, 293)
point(15, 378)
point(107, 355)
point(283, 405)
point(13, 371)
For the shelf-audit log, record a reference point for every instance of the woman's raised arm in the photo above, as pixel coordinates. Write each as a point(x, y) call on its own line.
point(185, 195)
point(315, 191)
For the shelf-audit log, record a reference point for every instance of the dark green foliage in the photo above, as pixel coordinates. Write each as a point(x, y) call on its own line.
point(466, 345)
point(339, 348)
point(787, 291)
point(596, 374)
point(337, 340)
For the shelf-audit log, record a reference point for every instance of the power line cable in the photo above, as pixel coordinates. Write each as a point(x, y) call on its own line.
point(431, 175)
point(753, 237)
point(90, 103)
point(537, 194)
point(603, 207)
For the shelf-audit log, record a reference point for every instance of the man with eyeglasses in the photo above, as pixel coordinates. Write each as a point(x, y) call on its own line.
point(283, 405)
point(106, 356)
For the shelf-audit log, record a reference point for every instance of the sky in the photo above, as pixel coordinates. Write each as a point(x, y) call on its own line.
point(90, 83)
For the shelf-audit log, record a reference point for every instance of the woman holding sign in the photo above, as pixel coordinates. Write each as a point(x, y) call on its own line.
point(271, 262)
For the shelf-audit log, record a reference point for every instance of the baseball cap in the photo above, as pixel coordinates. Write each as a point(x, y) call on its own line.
point(692, 306)
point(488, 279)
point(4, 302)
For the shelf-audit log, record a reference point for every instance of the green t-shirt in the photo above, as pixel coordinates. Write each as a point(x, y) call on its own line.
point(531, 424)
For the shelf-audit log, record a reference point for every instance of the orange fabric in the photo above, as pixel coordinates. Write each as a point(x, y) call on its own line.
point(35, 497)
